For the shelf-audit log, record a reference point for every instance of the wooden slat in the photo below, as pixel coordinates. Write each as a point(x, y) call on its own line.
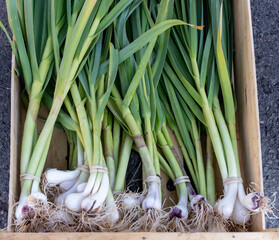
point(14, 142)
point(140, 236)
point(247, 101)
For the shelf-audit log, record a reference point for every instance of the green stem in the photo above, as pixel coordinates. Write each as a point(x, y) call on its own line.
point(40, 147)
point(201, 171)
point(73, 164)
point(139, 73)
point(70, 109)
point(34, 106)
point(169, 141)
point(166, 167)
point(186, 157)
point(116, 141)
point(139, 141)
point(108, 149)
point(35, 137)
point(168, 154)
point(210, 176)
point(181, 187)
point(156, 161)
point(71, 146)
point(211, 124)
point(231, 163)
point(83, 122)
point(39, 171)
point(148, 134)
point(97, 161)
point(232, 131)
point(123, 163)
point(28, 133)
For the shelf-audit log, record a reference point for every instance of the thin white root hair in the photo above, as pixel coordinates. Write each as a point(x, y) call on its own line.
point(199, 217)
point(151, 220)
point(217, 223)
point(266, 205)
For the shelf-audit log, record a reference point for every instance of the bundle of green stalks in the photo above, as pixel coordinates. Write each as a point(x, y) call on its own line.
point(116, 75)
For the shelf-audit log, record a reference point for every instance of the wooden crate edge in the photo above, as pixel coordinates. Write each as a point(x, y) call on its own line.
point(139, 236)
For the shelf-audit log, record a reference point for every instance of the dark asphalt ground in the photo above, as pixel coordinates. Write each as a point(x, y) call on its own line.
point(265, 17)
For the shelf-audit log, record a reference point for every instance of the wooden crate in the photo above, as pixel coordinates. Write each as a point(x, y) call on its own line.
point(248, 133)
